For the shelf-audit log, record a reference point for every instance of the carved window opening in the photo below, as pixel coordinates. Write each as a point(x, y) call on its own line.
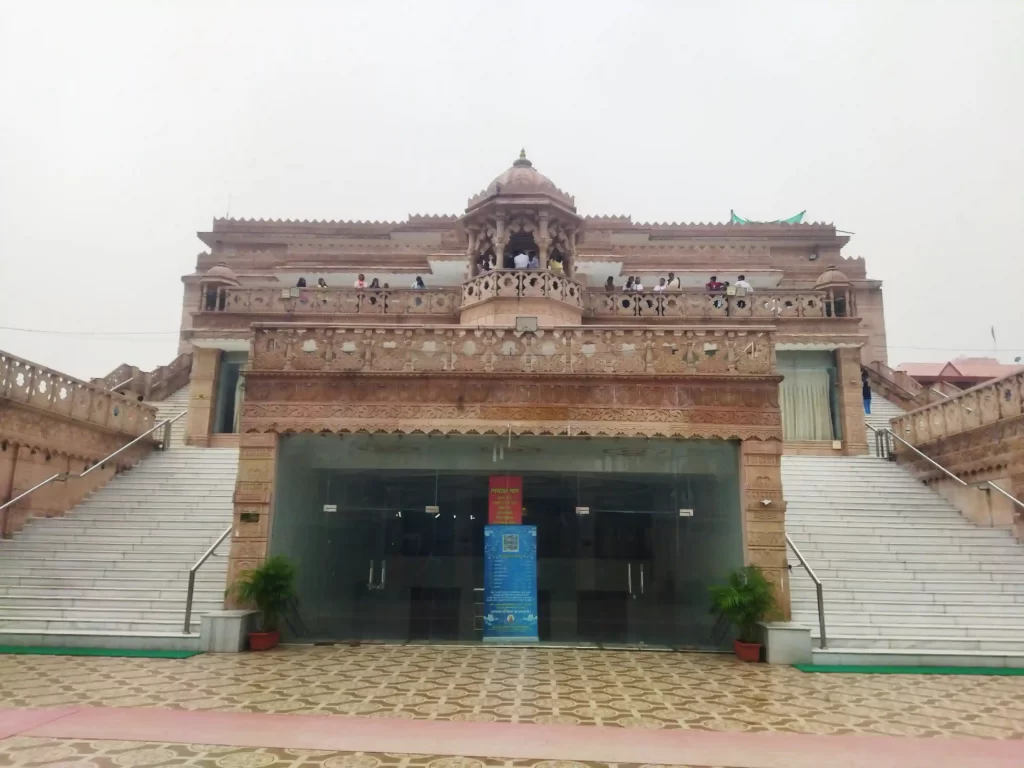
point(520, 242)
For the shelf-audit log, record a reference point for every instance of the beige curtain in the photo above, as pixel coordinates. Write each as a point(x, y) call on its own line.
point(806, 414)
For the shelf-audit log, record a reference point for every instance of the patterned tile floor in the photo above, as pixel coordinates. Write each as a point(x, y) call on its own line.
point(51, 753)
point(629, 689)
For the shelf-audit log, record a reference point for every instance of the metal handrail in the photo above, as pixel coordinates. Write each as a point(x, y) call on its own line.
point(192, 577)
point(822, 640)
point(1014, 499)
point(117, 386)
point(943, 394)
point(930, 460)
point(165, 424)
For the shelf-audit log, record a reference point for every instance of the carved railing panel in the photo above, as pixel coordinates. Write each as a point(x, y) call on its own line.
point(559, 351)
point(334, 301)
point(157, 384)
point(698, 304)
point(976, 407)
point(47, 390)
point(522, 284)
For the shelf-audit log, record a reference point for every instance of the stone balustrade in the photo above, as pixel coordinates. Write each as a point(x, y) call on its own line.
point(987, 404)
point(332, 301)
point(43, 389)
point(54, 424)
point(697, 304)
point(579, 350)
point(155, 385)
point(522, 284)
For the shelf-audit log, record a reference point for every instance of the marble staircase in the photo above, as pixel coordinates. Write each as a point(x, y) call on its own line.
point(907, 580)
point(113, 572)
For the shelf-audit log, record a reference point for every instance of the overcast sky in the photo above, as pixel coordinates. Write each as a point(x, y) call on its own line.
point(126, 127)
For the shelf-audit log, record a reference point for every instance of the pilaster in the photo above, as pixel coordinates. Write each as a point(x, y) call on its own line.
point(253, 502)
point(851, 402)
point(202, 390)
point(764, 514)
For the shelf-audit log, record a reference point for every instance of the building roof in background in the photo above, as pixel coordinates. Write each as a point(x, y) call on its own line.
point(980, 368)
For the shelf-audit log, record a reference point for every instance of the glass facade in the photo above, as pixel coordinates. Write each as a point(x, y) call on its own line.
point(387, 532)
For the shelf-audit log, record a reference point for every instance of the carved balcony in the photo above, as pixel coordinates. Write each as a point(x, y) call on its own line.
point(498, 297)
point(701, 305)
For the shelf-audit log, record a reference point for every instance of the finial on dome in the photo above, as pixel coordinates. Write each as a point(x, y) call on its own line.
point(522, 161)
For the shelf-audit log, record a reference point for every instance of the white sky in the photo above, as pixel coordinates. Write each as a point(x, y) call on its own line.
point(126, 127)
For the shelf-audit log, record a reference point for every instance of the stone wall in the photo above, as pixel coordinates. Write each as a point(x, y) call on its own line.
point(53, 424)
point(978, 435)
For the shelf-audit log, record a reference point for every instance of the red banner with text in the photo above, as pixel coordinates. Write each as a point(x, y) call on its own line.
point(505, 500)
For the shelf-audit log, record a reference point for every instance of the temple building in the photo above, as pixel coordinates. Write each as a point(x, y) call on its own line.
point(645, 426)
point(521, 423)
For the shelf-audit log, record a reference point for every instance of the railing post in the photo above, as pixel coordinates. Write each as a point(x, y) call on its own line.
point(166, 436)
point(821, 614)
point(188, 601)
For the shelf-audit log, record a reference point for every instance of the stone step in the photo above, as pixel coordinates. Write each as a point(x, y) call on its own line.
point(74, 561)
point(915, 585)
point(900, 535)
point(919, 642)
point(808, 616)
point(155, 587)
point(38, 549)
point(981, 606)
point(838, 544)
point(119, 569)
point(45, 533)
point(908, 528)
point(171, 641)
point(28, 624)
point(916, 657)
point(901, 571)
point(984, 631)
point(945, 596)
point(209, 588)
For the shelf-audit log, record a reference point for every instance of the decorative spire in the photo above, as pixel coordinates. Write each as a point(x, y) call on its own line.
point(522, 162)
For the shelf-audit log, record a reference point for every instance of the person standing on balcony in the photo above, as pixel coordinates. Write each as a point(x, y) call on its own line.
point(556, 266)
point(674, 284)
point(418, 283)
point(521, 261)
point(865, 390)
point(714, 286)
point(742, 283)
point(375, 284)
point(629, 284)
point(360, 281)
point(661, 286)
point(301, 283)
point(609, 284)
point(637, 285)
point(321, 283)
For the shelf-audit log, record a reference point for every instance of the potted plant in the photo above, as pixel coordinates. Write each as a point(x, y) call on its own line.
point(270, 588)
point(746, 598)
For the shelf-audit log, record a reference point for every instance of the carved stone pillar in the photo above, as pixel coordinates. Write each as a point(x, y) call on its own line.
point(543, 239)
point(764, 514)
point(254, 494)
point(202, 391)
point(851, 402)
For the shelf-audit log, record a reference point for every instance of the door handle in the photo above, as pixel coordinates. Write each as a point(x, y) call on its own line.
point(629, 579)
point(641, 578)
point(369, 579)
point(383, 574)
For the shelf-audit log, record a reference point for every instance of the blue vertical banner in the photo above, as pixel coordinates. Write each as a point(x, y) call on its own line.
point(510, 583)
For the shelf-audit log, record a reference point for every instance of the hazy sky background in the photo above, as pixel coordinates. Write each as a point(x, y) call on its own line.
point(127, 126)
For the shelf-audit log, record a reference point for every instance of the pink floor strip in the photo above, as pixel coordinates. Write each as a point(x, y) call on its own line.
point(15, 721)
point(607, 744)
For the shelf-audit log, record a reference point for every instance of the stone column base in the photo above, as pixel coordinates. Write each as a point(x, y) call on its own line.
point(785, 642)
point(227, 631)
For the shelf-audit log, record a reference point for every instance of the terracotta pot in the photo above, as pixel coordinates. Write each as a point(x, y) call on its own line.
point(747, 651)
point(263, 641)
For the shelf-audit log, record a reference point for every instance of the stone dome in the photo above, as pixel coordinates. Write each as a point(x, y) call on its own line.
point(522, 179)
point(222, 273)
point(831, 276)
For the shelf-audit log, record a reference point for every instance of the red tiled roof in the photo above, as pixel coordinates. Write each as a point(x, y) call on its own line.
point(980, 368)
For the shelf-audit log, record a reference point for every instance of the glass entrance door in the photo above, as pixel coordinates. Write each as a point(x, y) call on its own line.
point(627, 562)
